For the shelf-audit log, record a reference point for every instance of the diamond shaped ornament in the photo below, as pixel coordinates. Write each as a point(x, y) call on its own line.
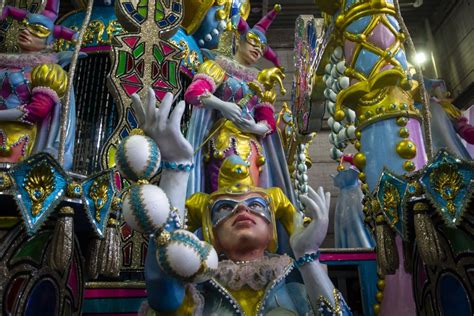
point(390, 194)
point(448, 182)
point(99, 191)
point(40, 183)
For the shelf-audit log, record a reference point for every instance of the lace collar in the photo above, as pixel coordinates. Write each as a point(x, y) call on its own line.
point(255, 274)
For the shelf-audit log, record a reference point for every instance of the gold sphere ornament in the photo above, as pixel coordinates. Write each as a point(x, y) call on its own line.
point(402, 121)
point(340, 168)
point(376, 309)
point(357, 145)
point(359, 160)
point(362, 177)
point(365, 188)
point(409, 166)
point(406, 149)
point(404, 133)
point(381, 284)
point(339, 115)
point(379, 296)
point(358, 135)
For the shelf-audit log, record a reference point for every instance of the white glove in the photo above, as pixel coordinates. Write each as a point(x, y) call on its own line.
point(309, 239)
point(250, 126)
point(166, 132)
point(229, 110)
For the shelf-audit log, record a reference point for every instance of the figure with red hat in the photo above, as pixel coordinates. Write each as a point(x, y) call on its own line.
point(32, 84)
point(233, 111)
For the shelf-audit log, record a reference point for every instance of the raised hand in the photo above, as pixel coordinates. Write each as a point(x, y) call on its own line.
point(165, 131)
point(308, 239)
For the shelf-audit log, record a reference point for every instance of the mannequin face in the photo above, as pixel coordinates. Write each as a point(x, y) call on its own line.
point(248, 54)
point(244, 231)
point(33, 37)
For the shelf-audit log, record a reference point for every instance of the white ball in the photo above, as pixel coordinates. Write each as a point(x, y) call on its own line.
point(211, 263)
point(184, 256)
point(145, 207)
point(338, 52)
point(344, 82)
point(138, 157)
point(350, 132)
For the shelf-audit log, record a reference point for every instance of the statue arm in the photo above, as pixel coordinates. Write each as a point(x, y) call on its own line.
point(165, 293)
point(305, 242)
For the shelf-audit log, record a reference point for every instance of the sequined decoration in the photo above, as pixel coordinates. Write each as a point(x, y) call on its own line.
point(141, 59)
point(311, 39)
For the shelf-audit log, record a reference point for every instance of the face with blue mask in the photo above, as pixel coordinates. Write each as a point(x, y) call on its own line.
point(251, 48)
point(36, 33)
point(242, 225)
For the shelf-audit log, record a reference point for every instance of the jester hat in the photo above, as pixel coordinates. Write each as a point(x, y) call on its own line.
point(259, 30)
point(234, 180)
point(43, 21)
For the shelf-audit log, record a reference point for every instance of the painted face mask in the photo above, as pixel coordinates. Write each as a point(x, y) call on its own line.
point(256, 36)
point(256, 41)
point(225, 208)
point(41, 24)
point(37, 29)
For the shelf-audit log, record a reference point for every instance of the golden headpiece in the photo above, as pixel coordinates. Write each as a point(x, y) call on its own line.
point(234, 179)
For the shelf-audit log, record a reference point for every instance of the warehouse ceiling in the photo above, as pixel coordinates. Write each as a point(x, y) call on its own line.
point(415, 13)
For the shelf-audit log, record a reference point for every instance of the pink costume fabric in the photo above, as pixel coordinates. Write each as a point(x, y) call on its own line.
point(465, 130)
point(16, 93)
point(228, 139)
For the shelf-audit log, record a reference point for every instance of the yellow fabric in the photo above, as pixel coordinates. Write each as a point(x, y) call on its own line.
point(228, 133)
point(453, 112)
point(248, 299)
point(51, 76)
point(283, 208)
point(213, 70)
point(196, 205)
point(14, 131)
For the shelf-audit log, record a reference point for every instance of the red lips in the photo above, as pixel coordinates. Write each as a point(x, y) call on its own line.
point(243, 217)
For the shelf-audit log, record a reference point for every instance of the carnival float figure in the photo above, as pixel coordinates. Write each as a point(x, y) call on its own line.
point(233, 112)
point(239, 220)
point(448, 126)
point(32, 85)
point(349, 228)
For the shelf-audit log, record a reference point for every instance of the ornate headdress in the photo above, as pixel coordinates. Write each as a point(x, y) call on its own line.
point(41, 24)
point(258, 32)
point(234, 179)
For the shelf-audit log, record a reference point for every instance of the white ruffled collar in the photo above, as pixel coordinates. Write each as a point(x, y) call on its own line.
point(255, 274)
point(235, 69)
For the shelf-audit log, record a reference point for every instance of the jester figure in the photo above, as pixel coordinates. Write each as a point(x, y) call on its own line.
point(32, 84)
point(233, 112)
point(239, 219)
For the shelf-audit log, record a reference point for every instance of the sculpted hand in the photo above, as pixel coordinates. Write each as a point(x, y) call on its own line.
point(250, 126)
point(308, 239)
point(229, 110)
point(165, 131)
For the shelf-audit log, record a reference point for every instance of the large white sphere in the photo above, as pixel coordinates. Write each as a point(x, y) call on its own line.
point(211, 262)
point(138, 157)
point(184, 256)
point(145, 207)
